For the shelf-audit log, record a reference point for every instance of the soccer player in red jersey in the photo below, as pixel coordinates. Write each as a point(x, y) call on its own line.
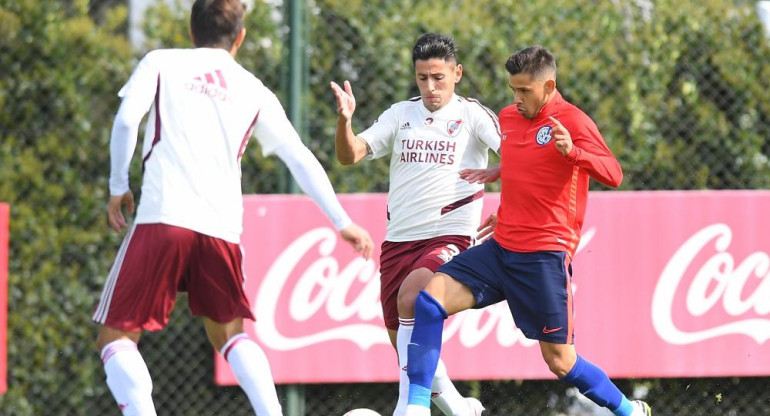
point(550, 150)
point(204, 108)
point(432, 212)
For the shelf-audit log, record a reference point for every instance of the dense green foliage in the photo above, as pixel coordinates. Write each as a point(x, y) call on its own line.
point(680, 95)
point(58, 94)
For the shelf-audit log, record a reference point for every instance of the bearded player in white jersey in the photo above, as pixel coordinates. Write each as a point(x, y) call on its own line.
point(204, 107)
point(433, 213)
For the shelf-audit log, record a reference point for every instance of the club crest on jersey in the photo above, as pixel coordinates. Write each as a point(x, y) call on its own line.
point(543, 135)
point(453, 127)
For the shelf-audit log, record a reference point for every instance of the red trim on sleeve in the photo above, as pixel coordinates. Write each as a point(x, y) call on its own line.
point(156, 138)
point(247, 136)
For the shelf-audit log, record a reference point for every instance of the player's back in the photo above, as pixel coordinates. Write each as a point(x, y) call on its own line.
point(204, 109)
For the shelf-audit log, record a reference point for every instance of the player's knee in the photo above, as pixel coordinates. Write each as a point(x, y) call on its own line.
point(219, 333)
point(428, 307)
point(406, 298)
point(559, 365)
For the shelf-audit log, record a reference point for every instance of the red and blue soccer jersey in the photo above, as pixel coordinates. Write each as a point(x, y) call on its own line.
point(543, 197)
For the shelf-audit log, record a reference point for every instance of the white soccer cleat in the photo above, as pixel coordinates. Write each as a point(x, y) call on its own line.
point(475, 406)
point(641, 408)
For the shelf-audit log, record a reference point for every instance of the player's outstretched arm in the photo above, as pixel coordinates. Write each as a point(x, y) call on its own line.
point(310, 176)
point(348, 148)
point(489, 174)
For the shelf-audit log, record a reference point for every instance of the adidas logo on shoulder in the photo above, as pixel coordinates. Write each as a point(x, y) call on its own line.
point(405, 126)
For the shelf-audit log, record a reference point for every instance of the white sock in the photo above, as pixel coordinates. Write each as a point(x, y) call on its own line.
point(417, 410)
point(444, 394)
point(403, 336)
point(252, 371)
point(128, 378)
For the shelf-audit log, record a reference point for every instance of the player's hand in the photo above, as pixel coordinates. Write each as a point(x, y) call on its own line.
point(346, 102)
point(487, 175)
point(359, 239)
point(115, 210)
point(486, 228)
point(561, 137)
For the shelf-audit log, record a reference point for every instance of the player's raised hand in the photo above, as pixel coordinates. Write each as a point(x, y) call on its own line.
point(359, 239)
point(115, 210)
point(346, 102)
point(489, 174)
point(561, 137)
point(486, 228)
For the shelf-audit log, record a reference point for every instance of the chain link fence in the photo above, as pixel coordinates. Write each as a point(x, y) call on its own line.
point(678, 89)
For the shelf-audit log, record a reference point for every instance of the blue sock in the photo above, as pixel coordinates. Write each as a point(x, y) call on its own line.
point(625, 408)
point(594, 384)
point(425, 347)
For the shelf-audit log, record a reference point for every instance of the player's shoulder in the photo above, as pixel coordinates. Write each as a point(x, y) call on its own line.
point(509, 111)
point(568, 113)
point(165, 55)
point(402, 109)
point(475, 107)
point(407, 105)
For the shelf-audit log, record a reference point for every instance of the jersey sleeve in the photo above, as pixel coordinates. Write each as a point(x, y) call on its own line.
point(137, 96)
point(591, 153)
point(143, 82)
point(273, 128)
point(380, 135)
point(486, 126)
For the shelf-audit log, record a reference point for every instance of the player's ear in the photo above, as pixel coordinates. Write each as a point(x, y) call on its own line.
point(238, 41)
point(192, 36)
point(550, 85)
point(458, 72)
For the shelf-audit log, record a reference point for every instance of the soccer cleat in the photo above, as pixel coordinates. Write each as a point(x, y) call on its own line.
point(641, 408)
point(475, 406)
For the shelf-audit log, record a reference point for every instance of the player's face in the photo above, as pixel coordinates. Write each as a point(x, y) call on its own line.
point(436, 79)
point(530, 94)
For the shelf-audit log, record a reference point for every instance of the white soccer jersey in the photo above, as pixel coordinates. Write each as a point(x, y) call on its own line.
point(428, 149)
point(204, 107)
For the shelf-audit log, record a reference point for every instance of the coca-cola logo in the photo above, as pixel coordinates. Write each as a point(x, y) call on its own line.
point(323, 288)
point(720, 282)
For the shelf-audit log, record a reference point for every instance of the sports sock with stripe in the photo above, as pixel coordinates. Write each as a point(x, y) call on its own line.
point(128, 378)
point(252, 371)
point(403, 336)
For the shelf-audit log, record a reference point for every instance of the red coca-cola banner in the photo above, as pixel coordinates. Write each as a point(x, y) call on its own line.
point(4, 219)
point(667, 284)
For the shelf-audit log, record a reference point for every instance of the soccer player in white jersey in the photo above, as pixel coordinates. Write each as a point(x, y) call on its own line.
point(203, 107)
point(432, 212)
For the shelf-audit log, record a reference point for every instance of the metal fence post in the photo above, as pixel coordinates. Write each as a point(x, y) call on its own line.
point(298, 87)
point(298, 74)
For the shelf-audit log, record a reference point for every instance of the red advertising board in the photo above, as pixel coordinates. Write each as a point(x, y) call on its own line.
point(4, 230)
point(667, 284)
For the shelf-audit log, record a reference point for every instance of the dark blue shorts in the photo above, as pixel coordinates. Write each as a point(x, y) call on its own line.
point(537, 286)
